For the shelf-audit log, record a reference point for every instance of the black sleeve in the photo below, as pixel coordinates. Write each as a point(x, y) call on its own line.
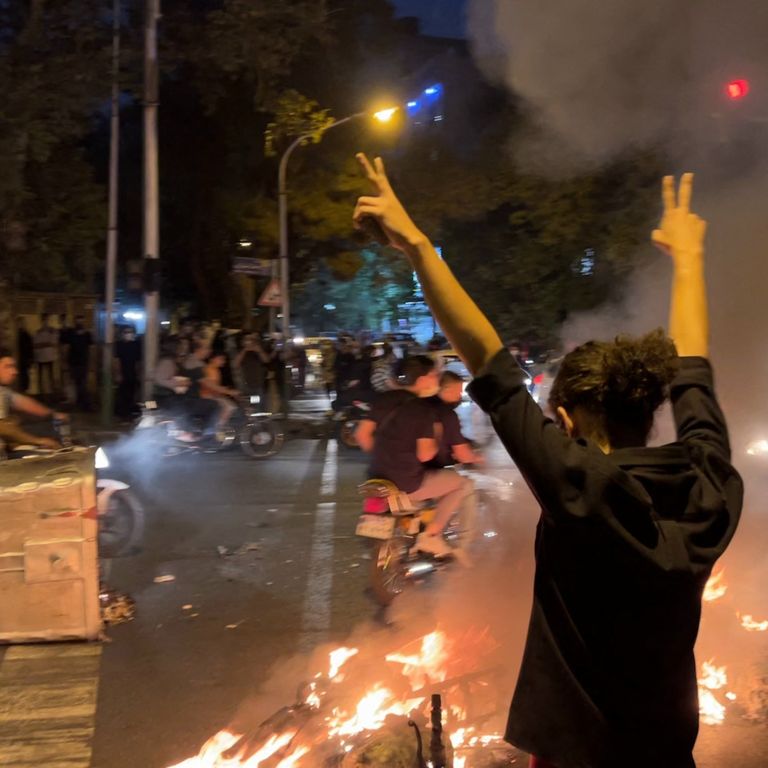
point(714, 507)
point(424, 420)
point(698, 417)
point(567, 476)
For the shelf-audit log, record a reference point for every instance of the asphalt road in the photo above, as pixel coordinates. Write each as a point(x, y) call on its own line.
point(266, 570)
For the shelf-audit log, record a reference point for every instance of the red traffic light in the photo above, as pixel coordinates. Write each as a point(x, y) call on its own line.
point(737, 89)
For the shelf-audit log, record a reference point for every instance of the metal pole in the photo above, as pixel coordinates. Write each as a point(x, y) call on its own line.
point(282, 194)
point(107, 394)
point(151, 190)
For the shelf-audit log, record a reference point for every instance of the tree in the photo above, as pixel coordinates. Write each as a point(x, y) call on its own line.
point(54, 69)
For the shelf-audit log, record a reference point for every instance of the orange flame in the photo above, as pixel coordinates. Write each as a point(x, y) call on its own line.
point(751, 625)
point(715, 589)
point(339, 658)
point(371, 712)
point(712, 678)
point(428, 665)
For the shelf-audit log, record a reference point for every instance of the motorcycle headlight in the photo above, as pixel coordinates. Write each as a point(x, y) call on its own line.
point(255, 399)
point(102, 462)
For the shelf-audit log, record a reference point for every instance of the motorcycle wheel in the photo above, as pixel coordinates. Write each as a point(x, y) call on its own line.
point(261, 439)
point(121, 527)
point(388, 569)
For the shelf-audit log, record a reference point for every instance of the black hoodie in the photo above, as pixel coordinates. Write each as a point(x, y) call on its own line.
point(624, 547)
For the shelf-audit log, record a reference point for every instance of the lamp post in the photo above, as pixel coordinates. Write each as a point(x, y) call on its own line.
point(383, 116)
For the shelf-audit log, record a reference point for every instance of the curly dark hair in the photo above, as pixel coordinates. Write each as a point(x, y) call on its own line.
point(618, 385)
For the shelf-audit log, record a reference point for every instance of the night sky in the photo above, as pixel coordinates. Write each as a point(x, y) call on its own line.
point(441, 18)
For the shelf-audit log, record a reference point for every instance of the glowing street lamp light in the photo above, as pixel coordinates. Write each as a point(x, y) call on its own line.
point(382, 116)
point(385, 115)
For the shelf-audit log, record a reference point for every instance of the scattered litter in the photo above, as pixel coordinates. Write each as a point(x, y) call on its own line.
point(235, 626)
point(274, 509)
point(366, 556)
point(223, 551)
point(164, 578)
point(270, 583)
point(193, 615)
point(289, 561)
point(355, 565)
point(251, 546)
point(116, 607)
point(186, 607)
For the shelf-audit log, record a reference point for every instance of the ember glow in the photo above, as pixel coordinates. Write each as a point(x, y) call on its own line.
point(338, 659)
point(372, 710)
point(715, 588)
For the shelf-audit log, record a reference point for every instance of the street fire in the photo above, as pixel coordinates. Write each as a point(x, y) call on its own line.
point(715, 588)
point(335, 721)
point(751, 625)
point(712, 679)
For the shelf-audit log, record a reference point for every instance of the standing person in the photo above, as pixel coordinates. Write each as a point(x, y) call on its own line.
point(252, 362)
point(25, 351)
point(628, 534)
point(45, 342)
point(79, 341)
point(383, 376)
point(128, 357)
point(328, 366)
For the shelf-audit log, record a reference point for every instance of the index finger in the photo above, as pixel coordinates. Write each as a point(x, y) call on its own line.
point(686, 190)
point(370, 173)
point(668, 193)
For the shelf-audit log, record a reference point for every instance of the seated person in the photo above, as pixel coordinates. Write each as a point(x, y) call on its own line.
point(453, 447)
point(10, 432)
point(400, 433)
point(211, 387)
point(195, 405)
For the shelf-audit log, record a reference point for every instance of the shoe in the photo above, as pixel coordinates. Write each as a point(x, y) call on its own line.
point(433, 545)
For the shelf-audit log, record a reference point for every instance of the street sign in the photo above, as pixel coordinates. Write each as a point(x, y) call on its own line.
point(247, 265)
point(272, 296)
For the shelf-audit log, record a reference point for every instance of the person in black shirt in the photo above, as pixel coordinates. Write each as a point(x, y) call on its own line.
point(79, 341)
point(400, 433)
point(628, 534)
point(25, 353)
point(128, 357)
point(452, 446)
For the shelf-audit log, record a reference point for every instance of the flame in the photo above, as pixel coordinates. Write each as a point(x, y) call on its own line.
point(371, 712)
point(429, 665)
point(751, 625)
point(430, 659)
point(715, 589)
point(211, 752)
point(712, 678)
point(339, 658)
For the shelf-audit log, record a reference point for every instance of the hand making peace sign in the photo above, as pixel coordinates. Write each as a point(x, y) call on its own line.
point(680, 233)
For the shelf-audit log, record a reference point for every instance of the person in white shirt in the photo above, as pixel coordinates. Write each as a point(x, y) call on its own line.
point(45, 345)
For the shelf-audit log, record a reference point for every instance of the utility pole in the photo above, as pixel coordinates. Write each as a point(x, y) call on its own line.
point(151, 195)
point(107, 393)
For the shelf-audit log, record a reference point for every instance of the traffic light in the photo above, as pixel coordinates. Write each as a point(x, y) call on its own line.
point(737, 89)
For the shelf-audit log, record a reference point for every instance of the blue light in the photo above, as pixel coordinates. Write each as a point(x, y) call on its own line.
point(413, 104)
point(432, 90)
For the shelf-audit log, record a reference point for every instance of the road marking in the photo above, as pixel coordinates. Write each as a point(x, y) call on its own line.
point(48, 705)
point(330, 469)
point(316, 614)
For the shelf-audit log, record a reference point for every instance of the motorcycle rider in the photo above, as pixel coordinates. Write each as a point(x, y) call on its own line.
point(211, 387)
point(400, 434)
point(453, 447)
point(10, 432)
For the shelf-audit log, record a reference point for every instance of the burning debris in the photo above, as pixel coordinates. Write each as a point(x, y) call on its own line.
point(342, 726)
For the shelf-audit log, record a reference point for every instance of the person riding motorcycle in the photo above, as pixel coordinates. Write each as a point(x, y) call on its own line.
point(211, 388)
point(11, 434)
point(400, 435)
point(453, 447)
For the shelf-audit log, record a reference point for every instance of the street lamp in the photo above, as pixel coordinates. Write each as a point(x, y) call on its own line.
point(382, 116)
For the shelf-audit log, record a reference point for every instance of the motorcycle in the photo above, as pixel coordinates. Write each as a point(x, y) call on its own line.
point(392, 522)
point(121, 515)
point(255, 430)
point(348, 419)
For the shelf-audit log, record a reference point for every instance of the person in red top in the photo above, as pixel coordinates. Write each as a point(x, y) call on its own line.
point(628, 534)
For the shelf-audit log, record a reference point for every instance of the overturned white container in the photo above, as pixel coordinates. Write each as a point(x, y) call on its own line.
point(49, 573)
